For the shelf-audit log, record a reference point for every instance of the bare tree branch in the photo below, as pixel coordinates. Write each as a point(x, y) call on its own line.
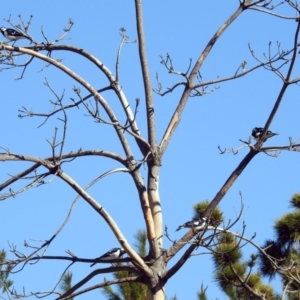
point(190, 85)
point(70, 293)
point(146, 76)
point(115, 229)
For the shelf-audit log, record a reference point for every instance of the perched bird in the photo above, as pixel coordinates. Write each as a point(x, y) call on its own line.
point(111, 254)
point(12, 34)
point(196, 224)
point(257, 132)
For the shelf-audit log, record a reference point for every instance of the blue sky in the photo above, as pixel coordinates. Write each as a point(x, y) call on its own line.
point(192, 168)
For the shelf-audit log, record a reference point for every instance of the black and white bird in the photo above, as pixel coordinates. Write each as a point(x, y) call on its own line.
point(114, 253)
point(257, 132)
point(12, 34)
point(196, 224)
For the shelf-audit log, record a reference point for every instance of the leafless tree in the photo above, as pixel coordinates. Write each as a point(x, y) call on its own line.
point(151, 270)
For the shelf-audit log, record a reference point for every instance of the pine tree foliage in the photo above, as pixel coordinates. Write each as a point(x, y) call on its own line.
point(287, 229)
point(236, 277)
point(295, 201)
point(271, 249)
point(216, 216)
point(66, 282)
point(110, 294)
point(5, 283)
point(242, 279)
point(202, 293)
point(141, 241)
point(282, 255)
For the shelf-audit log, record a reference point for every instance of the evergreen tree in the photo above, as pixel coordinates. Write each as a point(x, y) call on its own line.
point(236, 277)
point(281, 255)
point(66, 282)
point(5, 283)
point(202, 293)
point(241, 279)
